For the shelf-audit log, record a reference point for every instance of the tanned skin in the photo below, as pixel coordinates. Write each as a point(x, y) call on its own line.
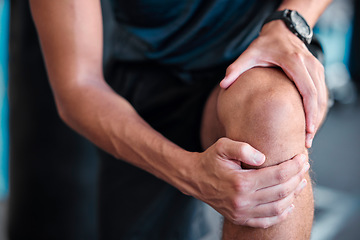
point(70, 32)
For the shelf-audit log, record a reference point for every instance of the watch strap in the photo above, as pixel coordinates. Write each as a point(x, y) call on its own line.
point(278, 15)
point(284, 15)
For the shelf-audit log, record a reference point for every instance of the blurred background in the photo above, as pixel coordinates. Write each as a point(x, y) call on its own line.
point(51, 171)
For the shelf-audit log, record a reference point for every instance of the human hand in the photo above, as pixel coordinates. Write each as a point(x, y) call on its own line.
point(255, 198)
point(277, 46)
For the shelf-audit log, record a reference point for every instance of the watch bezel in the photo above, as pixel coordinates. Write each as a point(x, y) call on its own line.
point(289, 16)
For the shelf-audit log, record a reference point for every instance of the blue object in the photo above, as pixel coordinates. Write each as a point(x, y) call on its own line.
point(4, 145)
point(187, 35)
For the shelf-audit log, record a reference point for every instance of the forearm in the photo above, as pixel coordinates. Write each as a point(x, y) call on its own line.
point(309, 9)
point(110, 122)
point(70, 32)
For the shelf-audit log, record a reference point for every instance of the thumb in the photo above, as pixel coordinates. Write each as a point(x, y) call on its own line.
point(241, 152)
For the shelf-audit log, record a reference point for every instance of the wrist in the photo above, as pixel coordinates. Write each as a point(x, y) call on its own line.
point(185, 172)
point(194, 176)
point(309, 9)
point(277, 29)
point(294, 22)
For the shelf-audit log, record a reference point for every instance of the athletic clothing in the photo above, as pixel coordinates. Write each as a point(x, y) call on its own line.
point(168, 57)
point(187, 34)
point(133, 203)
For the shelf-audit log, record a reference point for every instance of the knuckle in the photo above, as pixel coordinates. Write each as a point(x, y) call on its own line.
point(282, 174)
point(283, 193)
point(312, 92)
point(296, 56)
point(220, 144)
point(243, 205)
point(221, 140)
point(239, 205)
point(234, 205)
point(277, 209)
point(243, 187)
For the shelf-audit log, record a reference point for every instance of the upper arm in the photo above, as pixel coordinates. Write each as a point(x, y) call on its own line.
point(70, 33)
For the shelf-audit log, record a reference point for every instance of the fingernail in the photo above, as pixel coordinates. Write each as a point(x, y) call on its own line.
point(310, 142)
point(291, 208)
point(258, 157)
point(303, 183)
point(307, 167)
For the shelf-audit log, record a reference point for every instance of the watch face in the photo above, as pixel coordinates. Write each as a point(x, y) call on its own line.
point(300, 24)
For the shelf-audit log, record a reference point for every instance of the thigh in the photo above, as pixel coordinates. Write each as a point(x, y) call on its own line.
point(211, 128)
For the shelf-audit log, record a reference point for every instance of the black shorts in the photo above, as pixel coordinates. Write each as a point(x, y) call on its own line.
point(133, 204)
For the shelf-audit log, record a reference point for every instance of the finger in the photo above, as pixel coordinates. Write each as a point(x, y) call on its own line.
point(298, 73)
point(269, 221)
point(248, 59)
point(300, 187)
point(281, 191)
point(272, 176)
point(314, 68)
point(241, 64)
point(323, 101)
point(273, 209)
point(240, 151)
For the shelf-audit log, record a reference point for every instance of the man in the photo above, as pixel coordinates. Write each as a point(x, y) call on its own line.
point(164, 107)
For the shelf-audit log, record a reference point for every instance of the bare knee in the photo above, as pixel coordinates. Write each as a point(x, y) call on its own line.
point(264, 109)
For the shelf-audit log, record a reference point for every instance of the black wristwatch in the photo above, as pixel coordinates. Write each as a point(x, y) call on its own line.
point(295, 22)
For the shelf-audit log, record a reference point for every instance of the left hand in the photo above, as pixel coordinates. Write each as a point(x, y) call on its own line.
point(278, 46)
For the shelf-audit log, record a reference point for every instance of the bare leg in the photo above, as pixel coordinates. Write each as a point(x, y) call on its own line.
point(264, 109)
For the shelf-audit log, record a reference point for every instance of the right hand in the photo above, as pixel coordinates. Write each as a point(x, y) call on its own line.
point(254, 198)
